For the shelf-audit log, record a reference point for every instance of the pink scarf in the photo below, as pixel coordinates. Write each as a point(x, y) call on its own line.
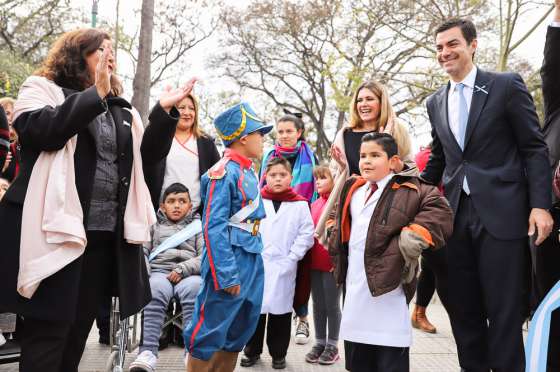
point(52, 229)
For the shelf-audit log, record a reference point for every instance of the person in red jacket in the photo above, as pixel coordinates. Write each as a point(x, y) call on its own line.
point(324, 291)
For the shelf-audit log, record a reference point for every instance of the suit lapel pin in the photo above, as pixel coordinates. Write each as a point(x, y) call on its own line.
point(480, 89)
point(126, 123)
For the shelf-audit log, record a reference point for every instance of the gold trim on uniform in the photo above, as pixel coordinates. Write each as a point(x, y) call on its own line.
point(241, 128)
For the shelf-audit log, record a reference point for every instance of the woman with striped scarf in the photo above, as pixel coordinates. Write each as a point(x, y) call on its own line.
point(291, 145)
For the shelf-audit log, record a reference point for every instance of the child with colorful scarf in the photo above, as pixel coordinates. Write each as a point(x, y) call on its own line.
point(291, 146)
point(287, 233)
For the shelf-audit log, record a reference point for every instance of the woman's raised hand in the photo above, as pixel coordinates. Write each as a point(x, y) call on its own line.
point(102, 74)
point(171, 97)
point(390, 124)
point(337, 155)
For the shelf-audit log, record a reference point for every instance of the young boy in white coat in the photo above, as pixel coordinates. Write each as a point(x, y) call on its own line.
point(384, 220)
point(287, 233)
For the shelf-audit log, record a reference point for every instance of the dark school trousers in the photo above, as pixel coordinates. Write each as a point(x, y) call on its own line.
point(278, 331)
point(376, 358)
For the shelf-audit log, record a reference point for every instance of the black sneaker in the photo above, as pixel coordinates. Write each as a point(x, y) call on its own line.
point(279, 363)
point(249, 361)
point(302, 332)
point(315, 353)
point(329, 355)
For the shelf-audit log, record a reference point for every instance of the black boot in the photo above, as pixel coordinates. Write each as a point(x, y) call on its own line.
point(249, 361)
point(279, 363)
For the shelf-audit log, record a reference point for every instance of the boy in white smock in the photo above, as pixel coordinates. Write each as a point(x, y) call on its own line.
point(384, 219)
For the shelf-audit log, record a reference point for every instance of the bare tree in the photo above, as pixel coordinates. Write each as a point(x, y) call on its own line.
point(176, 27)
point(28, 27)
point(511, 12)
point(141, 82)
point(281, 49)
point(311, 55)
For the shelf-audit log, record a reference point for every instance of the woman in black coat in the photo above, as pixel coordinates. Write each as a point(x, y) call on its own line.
point(185, 154)
point(59, 315)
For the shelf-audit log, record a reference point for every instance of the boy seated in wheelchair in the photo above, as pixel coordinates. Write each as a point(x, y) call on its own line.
point(173, 258)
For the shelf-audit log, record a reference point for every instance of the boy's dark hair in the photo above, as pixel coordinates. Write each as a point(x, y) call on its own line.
point(175, 188)
point(278, 161)
point(385, 140)
point(322, 171)
point(468, 28)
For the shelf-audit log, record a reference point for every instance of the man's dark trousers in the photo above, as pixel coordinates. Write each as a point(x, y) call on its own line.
point(485, 295)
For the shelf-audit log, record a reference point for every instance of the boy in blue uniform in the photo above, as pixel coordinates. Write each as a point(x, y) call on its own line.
point(228, 305)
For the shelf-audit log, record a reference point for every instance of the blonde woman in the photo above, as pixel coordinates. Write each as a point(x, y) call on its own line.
point(370, 111)
point(183, 157)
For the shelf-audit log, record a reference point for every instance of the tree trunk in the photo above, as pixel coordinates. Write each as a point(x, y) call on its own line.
point(340, 120)
point(117, 36)
point(141, 82)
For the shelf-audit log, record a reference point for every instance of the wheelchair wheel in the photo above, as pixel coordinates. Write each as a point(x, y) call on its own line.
point(111, 364)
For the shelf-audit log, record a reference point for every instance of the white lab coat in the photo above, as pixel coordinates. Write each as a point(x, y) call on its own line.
point(287, 236)
point(382, 320)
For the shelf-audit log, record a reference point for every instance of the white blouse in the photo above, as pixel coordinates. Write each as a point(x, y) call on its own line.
point(182, 166)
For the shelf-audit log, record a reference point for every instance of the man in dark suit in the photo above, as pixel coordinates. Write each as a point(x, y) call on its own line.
point(492, 159)
point(547, 255)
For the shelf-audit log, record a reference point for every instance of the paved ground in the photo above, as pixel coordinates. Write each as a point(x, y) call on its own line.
point(429, 353)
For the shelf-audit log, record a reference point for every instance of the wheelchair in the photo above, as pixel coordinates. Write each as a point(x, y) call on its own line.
point(9, 352)
point(172, 329)
point(126, 334)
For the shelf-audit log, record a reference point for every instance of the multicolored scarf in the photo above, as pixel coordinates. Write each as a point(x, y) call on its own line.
point(303, 181)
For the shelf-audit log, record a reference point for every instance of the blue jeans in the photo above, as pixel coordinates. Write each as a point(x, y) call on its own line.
point(162, 291)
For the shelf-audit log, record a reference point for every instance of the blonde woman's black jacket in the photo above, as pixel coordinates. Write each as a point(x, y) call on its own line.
point(158, 139)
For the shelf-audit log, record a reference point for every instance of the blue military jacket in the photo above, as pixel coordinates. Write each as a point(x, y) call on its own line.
point(225, 189)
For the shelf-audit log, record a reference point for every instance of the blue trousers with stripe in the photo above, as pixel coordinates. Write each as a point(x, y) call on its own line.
point(221, 321)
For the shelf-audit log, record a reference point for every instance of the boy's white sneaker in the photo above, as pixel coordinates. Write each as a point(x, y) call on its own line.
point(2, 339)
point(145, 362)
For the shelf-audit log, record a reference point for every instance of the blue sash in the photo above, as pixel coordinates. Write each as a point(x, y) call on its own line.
point(536, 349)
point(179, 237)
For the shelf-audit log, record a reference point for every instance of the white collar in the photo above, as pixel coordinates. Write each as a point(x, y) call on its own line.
point(468, 81)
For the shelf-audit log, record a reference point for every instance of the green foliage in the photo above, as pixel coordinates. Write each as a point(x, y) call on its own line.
point(27, 30)
point(13, 71)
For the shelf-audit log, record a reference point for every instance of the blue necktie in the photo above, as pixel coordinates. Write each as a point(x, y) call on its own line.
point(463, 119)
point(463, 116)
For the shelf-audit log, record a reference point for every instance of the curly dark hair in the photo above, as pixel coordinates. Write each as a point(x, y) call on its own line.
point(66, 64)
